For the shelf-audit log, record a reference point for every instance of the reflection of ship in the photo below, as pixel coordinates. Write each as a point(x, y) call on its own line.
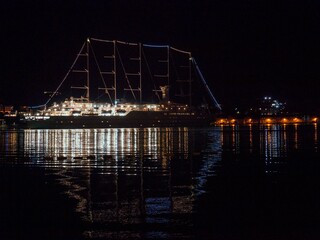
point(105, 145)
point(168, 96)
point(139, 180)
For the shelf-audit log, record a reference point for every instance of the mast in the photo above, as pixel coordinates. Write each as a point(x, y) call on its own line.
point(165, 75)
point(84, 70)
point(88, 75)
point(190, 80)
point(140, 74)
point(184, 77)
point(108, 72)
point(133, 76)
point(114, 72)
point(168, 68)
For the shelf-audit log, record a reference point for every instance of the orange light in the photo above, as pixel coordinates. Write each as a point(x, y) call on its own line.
point(315, 119)
point(284, 120)
point(268, 120)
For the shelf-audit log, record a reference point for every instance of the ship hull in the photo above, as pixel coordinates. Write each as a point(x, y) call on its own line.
point(131, 120)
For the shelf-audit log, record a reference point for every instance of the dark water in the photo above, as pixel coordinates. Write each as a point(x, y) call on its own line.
point(233, 182)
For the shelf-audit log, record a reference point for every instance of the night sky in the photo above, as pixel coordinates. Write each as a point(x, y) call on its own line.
point(245, 49)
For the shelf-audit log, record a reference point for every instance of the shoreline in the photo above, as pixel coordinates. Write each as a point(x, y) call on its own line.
point(267, 120)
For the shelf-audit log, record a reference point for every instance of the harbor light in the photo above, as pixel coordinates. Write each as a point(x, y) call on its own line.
point(296, 120)
point(221, 121)
point(268, 120)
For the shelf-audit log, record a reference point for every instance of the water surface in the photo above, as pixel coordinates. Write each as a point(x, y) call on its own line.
point(224, 182)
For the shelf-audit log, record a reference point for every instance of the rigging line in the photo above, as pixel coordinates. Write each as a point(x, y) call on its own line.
point(39, 106)
point(206, 85)
point(101, 40)
point(125, 73)
point(155, 46)
point(71, 68)
point(128, 43)
point(102, 78)
point(178, 50)
point(149, 71)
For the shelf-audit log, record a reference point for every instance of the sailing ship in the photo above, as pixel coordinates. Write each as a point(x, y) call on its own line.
point(137, 88)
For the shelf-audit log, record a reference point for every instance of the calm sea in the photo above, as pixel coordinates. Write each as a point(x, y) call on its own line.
point(224, 182)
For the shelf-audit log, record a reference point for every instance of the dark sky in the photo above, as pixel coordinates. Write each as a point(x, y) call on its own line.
point(245, 49)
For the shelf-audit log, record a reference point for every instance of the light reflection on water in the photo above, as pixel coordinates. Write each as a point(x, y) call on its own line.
point(144, 183)
point(104, 144)
point(121, 177)
point(271, 142)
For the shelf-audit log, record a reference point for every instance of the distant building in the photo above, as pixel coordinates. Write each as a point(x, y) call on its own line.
point(6, 109)
point(270, 107)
